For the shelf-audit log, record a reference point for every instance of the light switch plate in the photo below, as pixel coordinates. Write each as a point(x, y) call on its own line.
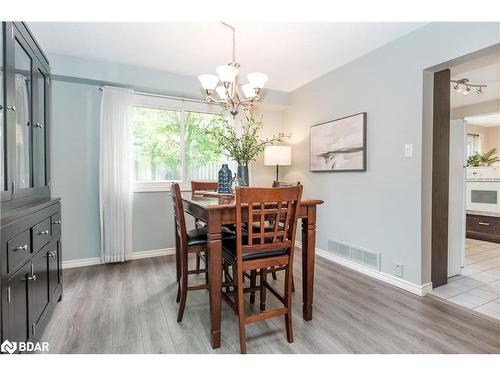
point(399, 270)
point(409, 150)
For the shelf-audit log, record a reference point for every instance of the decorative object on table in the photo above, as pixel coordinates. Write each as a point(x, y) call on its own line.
point(228, 91)
point(339, 145)
point(224, 181)
point(237, 181)
point(483, 160)
point(278, 155)
point(246, 147)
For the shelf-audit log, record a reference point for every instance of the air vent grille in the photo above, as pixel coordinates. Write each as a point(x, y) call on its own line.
point(355, 254)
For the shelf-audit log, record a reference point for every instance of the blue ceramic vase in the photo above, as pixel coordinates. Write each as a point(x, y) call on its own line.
point(225, 177)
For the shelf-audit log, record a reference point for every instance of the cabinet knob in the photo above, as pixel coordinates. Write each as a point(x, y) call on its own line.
point(57, 222)
point(31, 277)
point(12, 108)
point(43, 232)
point(51, 254)
point(23, 248)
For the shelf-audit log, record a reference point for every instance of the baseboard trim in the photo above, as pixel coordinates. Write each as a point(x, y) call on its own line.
point(152, 253)
point(135, 255)
point(419, 290)
point(81, 262)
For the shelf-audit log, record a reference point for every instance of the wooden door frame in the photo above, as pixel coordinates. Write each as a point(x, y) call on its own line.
point(440, 177)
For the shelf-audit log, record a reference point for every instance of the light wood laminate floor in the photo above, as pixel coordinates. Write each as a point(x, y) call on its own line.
point(130, 308)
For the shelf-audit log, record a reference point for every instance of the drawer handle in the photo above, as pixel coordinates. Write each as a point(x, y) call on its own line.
point(43, 232)
point(23, 248)
point(31, 277)
point(483, 223)
point(57, 222)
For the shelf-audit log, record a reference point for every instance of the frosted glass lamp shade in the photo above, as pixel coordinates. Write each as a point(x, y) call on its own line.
point(278, 155)
point(227, 73)
point(221, 91)
point(208, 81)
point(257, 80)
point(248, 90)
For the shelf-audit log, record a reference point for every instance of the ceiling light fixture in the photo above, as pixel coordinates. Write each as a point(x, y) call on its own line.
point(229, 91)
point(463, 86)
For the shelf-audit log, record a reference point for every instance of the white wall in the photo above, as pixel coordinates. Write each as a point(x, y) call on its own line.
point(380, 209)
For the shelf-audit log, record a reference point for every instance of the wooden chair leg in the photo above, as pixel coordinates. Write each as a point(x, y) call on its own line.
point(293, 285)
point(263, 279)
point(253, 282)
point(241, 312)
point(288, 303)
point(197, 262)
point(274, 273)
point(183, 287)
point(235, 289)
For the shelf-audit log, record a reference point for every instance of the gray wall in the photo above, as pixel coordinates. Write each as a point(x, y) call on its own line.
point(75, 155)
point(381, 208)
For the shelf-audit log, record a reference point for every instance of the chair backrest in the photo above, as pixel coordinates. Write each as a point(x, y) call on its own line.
point(197, 186)
point(261, 204)
point(283, 184)
point(180, 219)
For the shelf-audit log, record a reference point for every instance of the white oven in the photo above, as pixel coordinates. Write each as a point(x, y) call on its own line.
point(483, 189)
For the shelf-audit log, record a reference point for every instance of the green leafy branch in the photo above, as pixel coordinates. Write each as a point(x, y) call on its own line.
point(249, 145)
point(482, 160)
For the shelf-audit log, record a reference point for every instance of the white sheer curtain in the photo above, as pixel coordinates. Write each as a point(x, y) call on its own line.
point(115, 174)
point(22, 133)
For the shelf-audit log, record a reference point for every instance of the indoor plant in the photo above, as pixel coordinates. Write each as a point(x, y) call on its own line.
point(246, 147)
point(483, 160)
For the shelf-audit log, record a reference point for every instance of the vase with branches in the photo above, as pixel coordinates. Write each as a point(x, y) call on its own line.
point(243, 148)
point(483, 160)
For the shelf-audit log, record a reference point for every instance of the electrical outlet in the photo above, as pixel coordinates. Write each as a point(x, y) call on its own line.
point(409, 150)
point(399, 270)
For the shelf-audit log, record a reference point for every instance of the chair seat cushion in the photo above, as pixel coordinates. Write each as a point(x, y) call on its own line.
point(229, 247)
point(198, 236)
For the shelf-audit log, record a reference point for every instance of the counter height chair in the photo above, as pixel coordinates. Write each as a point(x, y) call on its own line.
point(250, 251)
point(188, 242)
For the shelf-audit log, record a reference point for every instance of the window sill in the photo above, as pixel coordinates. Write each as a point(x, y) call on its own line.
point(160, 186)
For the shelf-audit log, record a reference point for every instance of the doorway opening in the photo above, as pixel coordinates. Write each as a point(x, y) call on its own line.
point(466, 233)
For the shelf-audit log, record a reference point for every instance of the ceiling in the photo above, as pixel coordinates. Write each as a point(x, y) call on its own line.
point(291, 54)
point(489, 120)
point(483, 70)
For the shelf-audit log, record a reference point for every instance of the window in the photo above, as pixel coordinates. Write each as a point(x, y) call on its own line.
point(170, 143)
point(473, 144)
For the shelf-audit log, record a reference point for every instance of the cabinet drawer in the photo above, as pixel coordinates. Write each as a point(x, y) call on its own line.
point(18, 251)
point(40, 234)
point(483, 224)
point(55, 221)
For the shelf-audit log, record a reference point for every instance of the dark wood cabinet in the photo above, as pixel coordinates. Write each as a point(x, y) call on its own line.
point(31, 250)
point(481, 227)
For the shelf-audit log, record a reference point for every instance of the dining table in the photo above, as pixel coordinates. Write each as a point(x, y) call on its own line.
point(217, 210)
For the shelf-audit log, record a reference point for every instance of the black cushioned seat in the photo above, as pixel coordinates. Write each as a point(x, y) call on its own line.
point(229, 247)
point(198, 236)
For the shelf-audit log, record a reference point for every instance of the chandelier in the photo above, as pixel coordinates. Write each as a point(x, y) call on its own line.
point(463, 86)
point(228, 91)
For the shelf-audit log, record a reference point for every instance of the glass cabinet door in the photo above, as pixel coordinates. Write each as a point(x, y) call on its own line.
point(39, 129)
point(23, 101)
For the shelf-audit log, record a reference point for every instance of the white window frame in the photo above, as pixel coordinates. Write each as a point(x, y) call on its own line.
point(152, 101)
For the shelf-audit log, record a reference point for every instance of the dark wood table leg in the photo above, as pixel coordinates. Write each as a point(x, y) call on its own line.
point(215, 275)
point(308, 257)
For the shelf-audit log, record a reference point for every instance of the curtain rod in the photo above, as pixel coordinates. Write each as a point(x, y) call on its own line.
point(169, 97)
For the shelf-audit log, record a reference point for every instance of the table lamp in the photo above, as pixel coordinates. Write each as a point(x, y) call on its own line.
point(278, 155)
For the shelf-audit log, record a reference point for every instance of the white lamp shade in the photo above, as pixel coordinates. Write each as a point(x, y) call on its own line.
point(208, 81)
point(248, 90)
point(221, 91)
point(227, 73)
point(278, 155)
point(257, 80)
